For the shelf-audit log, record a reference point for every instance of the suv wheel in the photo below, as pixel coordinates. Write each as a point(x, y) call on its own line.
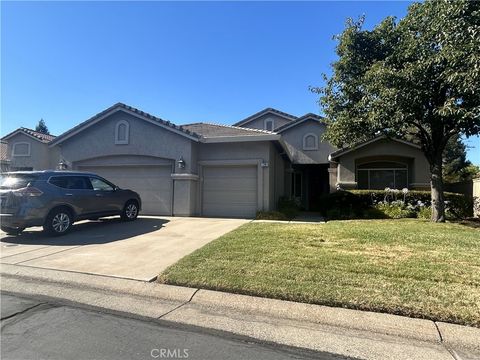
point(130, 211)
point(58, 222)
point(11, 231)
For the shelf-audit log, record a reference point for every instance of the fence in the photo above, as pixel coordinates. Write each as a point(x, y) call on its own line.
point(471, 189)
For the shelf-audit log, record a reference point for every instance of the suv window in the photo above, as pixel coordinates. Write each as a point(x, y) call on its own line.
point(71, 182)
point(101, 185)
point(16, 181)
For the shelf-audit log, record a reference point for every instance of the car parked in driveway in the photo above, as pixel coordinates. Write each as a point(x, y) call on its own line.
point(56, 199)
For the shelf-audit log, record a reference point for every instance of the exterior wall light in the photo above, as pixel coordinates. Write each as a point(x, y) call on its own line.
point(181, 163)
point(264, 164)
point(62, 165)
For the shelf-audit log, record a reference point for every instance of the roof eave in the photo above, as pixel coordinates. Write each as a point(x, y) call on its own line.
point(241, 138)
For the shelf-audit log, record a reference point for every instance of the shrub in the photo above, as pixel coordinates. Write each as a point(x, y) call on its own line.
point(288, 207)
point(270, 215)
point(395, 210)
point(424, 212)
point(365, 204)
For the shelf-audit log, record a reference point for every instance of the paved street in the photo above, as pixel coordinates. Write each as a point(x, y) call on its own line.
point(34, 329)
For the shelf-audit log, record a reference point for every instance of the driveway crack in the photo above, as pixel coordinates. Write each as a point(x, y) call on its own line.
point(179, 306)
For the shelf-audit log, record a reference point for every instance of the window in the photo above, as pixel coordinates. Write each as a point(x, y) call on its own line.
point(16, 181)
point(310, 142)
point(122, 130)
point(100, 185)
point(71, 182)
point(269, 125)
point(21, 149)
point(380, 175)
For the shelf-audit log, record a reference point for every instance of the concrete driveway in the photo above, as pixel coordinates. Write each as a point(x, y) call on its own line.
point(135, 250)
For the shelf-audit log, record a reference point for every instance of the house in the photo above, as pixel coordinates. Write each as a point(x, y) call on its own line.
point(209, 169)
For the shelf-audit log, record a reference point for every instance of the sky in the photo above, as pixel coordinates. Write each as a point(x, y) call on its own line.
point(184, 62)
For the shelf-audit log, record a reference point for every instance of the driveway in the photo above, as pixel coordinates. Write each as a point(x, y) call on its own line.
point(135, 250)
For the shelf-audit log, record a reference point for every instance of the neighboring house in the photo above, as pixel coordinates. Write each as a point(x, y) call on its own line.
point(4, 162)
point(218, 170)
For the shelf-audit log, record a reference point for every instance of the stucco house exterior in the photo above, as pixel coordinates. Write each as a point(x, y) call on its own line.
point(205, 169)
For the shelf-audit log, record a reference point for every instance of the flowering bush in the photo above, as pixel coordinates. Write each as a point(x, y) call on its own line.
point(401, 203)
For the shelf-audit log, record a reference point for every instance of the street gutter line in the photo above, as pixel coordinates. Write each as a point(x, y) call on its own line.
point(22, 312)
point(179, 306)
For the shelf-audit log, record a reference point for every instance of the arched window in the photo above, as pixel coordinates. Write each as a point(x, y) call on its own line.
point(310, 142)
point(21, 149)
point(269, 125)
point(122, 130)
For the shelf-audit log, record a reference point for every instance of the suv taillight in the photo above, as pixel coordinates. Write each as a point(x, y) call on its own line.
point(28, 191)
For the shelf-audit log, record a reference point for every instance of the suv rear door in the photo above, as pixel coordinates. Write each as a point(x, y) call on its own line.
point(76, 191)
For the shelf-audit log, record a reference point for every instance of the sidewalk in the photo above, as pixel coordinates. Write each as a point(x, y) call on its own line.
point(357, 334)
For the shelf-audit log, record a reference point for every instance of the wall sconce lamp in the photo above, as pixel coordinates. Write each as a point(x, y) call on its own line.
point(181, 163)
point(62, 165)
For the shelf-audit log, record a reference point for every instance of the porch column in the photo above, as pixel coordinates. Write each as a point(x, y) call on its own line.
point(332, 176)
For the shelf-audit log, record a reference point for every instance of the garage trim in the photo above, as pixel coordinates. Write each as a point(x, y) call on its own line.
point(246, 162)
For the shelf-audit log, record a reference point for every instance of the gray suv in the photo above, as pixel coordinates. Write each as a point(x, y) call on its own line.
point(56, 199)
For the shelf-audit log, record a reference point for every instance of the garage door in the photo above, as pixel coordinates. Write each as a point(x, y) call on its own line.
point(229, 191)
point(153, 183)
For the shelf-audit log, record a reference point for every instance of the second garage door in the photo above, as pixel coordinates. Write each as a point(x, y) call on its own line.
point(153, 183)
point(229, 191)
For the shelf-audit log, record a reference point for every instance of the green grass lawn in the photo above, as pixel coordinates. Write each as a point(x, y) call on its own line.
point(407, 267)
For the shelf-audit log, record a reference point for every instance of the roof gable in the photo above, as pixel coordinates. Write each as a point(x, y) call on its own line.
point(357, 146)
point(44, 138)
point(129, 110)
point(300, 120)
point(263, 112)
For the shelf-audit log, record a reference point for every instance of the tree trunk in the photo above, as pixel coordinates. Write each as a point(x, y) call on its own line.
point(438, 199)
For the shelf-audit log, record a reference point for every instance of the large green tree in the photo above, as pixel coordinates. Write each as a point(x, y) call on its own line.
point(418, 77)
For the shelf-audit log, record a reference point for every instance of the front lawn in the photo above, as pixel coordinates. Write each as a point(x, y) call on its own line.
point(407, 267)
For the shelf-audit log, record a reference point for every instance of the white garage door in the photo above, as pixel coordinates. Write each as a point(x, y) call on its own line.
point(229, 191)
point(153, 183)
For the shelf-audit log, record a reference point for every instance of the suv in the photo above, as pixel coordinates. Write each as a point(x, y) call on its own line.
point(55, 199)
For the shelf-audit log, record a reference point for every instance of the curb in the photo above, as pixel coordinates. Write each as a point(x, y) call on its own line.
point(347, 332)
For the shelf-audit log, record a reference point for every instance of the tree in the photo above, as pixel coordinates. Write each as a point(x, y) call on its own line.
point(455, 161)
point(418, 76)
point(42, 127)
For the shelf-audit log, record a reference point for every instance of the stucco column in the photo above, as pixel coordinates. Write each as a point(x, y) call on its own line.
point(332, 176)
point(185, 188)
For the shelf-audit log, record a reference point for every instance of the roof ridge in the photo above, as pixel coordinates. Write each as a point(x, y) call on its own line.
point(239, 127)
point(261, 112)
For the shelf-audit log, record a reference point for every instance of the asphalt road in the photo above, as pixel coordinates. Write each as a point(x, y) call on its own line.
point(34, 329)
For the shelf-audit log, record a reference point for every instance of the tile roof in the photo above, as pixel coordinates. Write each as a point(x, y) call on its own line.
point(3, 151)
point(37, 135)
point(299, 121)
point(129, 108)
point(209, 130)
point(265, 111)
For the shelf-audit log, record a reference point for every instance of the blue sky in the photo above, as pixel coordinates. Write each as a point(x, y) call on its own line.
point(184, 62)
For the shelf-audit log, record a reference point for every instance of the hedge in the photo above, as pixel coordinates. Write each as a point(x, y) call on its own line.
point(371, 204)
